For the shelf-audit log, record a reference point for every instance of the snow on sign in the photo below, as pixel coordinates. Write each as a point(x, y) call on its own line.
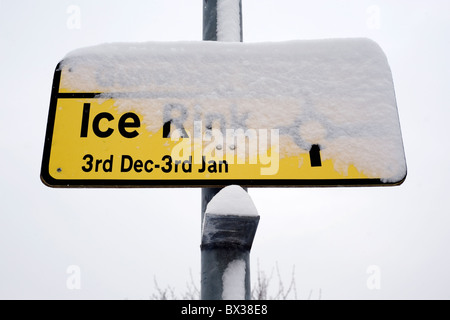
point(297, 113)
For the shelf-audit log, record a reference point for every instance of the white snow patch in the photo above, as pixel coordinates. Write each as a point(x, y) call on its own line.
point(232, 200)
point(233, 281)
point(228, 21)
point(335, 93)
point(313, 132)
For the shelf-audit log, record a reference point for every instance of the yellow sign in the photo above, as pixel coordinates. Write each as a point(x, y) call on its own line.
point(112, 138)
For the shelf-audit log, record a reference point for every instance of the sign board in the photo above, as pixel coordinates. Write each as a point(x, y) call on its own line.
point(299, 113)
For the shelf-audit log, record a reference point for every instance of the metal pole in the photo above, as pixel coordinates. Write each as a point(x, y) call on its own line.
point(210, 34)
point(226, 244)
point(210, 20)
point(225, 239)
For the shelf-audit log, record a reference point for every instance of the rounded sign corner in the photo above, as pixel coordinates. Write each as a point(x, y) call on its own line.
point(47, 180)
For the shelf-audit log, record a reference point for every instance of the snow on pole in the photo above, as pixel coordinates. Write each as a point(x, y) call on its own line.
point(232, 200)
point(229, 27)
point(234, 281)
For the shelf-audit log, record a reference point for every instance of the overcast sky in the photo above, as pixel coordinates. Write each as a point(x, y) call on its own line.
point(349, 243)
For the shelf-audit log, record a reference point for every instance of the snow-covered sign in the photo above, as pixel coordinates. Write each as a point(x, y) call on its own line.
point(298, 113)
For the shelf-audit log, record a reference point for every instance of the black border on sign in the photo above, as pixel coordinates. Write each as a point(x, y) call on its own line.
point(48, 180)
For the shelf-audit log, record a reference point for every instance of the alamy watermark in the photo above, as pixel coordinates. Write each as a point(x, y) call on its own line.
point(73, 281)
point(74, 17)
point(374, 280)
point(249, 146)
point(373, 21)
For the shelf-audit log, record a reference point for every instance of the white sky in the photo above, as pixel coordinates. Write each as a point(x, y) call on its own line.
point(122, 239)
